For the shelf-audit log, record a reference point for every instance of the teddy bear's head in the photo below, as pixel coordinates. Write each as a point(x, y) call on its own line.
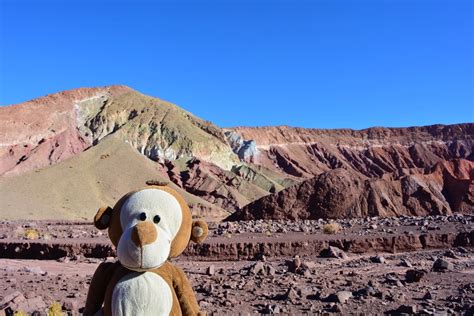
point(149, 226)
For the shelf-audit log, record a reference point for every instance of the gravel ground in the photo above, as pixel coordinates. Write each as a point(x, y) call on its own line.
point(439, 281)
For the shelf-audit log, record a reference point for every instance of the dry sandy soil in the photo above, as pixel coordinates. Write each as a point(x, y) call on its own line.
point(250, 267)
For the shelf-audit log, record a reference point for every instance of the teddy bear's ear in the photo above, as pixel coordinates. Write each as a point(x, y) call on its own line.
point(102, 218)
point(199, 231)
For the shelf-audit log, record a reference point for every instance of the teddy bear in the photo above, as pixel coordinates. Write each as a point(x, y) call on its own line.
point(147, 227)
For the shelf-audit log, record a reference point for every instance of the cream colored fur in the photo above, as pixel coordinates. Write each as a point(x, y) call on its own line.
point(141, 294)
point(151, 202)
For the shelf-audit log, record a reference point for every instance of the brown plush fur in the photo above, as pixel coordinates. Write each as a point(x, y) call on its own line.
point(108, 274)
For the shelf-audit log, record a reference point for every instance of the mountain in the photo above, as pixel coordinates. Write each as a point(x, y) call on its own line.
point(225, 170)
point(49, 130)
point(75, 188)
point(341, 193)
point(372, 152)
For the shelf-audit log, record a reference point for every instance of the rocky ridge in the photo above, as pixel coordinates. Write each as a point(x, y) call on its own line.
point(445, 188)
point(238, 168)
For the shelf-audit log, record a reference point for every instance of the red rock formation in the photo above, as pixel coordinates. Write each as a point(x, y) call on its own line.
point(342, 193)
point(213, 184)
point(373, 152)
point(383, 170)
point(44, 131)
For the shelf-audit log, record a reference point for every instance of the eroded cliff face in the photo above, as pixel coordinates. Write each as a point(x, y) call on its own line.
point(340, 193)
point(372, 152)
point(44, 131)
point(47, 130)
point(281, 171)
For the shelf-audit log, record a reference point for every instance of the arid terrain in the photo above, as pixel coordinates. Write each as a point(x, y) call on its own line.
point(302, 221)
point(411, 264)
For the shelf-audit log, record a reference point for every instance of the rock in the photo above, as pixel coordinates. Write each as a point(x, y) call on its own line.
point(16, 295)
point(291, 294)
point(343, 296)
point(441, 265)
point(450, 254)
point(257, 268)
point(211, 270)
point(35, 304)
point(428, 296)
point(370, 291)
point(71, 305)
point(405, 263)
point(271, 309)
point(270, 270)
point(333, 252)
point(335, 308)
point(35, 270)
point(307, 273)
point(339, 297)
point(377, 259)
point(413, 275)
point(309, 265)
point(294, 265)
point(407, 309)
point(344, 193)
point(392, 279)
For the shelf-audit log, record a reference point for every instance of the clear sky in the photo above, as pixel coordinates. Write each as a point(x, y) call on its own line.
point(322, 64)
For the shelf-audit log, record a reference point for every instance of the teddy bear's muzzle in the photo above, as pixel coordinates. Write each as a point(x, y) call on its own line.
point(144, 233)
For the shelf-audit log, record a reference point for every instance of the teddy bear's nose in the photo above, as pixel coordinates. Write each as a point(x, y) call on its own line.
point(144, 233)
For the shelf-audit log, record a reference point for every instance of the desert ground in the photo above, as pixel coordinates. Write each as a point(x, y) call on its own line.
point(406, 265)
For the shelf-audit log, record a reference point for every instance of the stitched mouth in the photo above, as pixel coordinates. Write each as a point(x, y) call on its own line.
point(139, 267)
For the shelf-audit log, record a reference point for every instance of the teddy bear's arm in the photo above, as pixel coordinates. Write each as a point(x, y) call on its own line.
point(184, 292)
point(97, 288)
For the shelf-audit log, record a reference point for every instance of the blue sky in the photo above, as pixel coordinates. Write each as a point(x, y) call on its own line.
point(321, 64)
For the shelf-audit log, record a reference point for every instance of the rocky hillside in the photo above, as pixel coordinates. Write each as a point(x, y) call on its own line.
point(47, 130)
point(341, 193)
point(75, 188)
point(249, 170)
point(372, 152)
point(195, 153)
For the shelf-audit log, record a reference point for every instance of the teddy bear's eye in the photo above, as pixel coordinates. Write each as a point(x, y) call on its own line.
point(156, 219)
point(142, 216)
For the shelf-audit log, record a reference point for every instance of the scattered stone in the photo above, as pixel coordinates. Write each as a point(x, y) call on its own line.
point(441, 265)
point(71, 305)
point(335, 308)
point(294, 265)
point(35, 270)
point(10, 297)
point(271, 309)
point(270, 270)
point(377, 259)
point(450, 254)
point(309, 265)
point(392, 279)
point(211, 270)
point(407, 309)
point(333, 252)
point(370, 291)
point(428, 296)
point(414, 275)
point(339, 297)
point(257, 268)
point(405, 263)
